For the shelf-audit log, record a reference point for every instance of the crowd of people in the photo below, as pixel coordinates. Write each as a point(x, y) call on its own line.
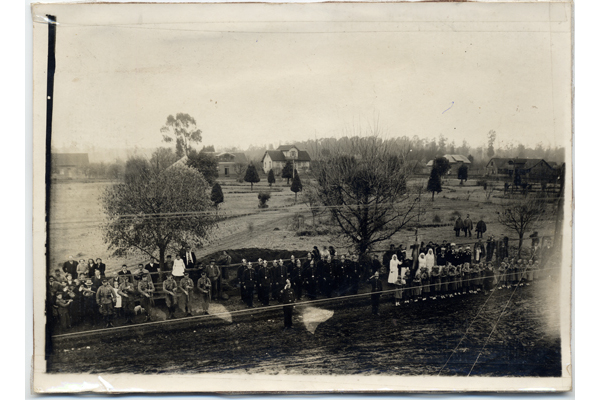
point(81, 291)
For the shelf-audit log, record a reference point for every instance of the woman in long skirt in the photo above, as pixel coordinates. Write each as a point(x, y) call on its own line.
point(452, 281)
point(429, 260)
point(436, 281)
point(425, 282)
point(444, 280)
point(416, 283)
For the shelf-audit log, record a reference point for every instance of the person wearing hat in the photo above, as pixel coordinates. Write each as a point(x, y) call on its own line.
point(88, 305)
point(213, 272)
point(248, 282)
point(186, 285)
point(169, 287)
point(204, 286)
point(264, 278)
point(467, 226)
point(287, 299)
point(105, 298)
point(127, 292)
point(146, 289)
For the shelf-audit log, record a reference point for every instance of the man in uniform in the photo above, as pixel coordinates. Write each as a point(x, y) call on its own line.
point(146, 289)
point(310, 280)
point(325, 274)
point(287, 299)
point(127, 292)
point(213, 272)
point(279, 278)
point(104, 298)
point(264, 283)
point(205, 288)
point(186, 285)
point(248, 282)
point(170, 289)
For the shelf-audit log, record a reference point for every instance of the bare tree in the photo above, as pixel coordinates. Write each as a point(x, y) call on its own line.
point(366, 191)
point(522, 216)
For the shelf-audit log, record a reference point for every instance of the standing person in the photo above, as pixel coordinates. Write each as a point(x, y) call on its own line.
point(189, 260)
point(490, 248)
point(426, 282)
point(387, 256)
point(458, 226)
point(167, 267)
point(429, 260)
point(88, 303)
point(441, 253)
point(416, 283)
point(287, 299)
point(279, 278)
point(467, 256)
point(478, 252)
point(311, 280)
point(63, 306)
point(82, 270)
point(467, 226)
point(101, 266)
point(205, 287)
point(376, 265)
point(480, 228)
point(127, 292)
point(213, 272)
point(152, 268)
point(105, 299)
point(325, 275)
point(178, 268)
point(376, 289)
point(146, 289)
point(354, 275)
point(169, 287)
point(394, 268)
point(248, 282)
point(70, 267)
point(264, 283)
point(125, 273)
point(444, 280)
point(452, 277)
point(435, 281)
point(91, 267)
point(118, 300)
point(296, 279)
point(422, 262)
point(186, 285)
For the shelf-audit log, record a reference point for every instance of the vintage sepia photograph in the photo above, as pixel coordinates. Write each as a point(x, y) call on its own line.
point(296, 198)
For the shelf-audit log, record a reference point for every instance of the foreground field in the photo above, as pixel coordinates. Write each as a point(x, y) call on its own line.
point(426, 338)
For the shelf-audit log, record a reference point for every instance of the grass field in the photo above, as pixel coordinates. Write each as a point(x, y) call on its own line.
point(76, 217)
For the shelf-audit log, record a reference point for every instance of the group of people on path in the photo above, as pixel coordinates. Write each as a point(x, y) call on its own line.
point(466, 226)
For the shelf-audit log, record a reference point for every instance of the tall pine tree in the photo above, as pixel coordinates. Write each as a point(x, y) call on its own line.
point(296, 185)
point(271, 178)
point(251, 176)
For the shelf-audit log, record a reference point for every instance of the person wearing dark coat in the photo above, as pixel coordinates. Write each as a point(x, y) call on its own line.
point(376, 289)
point(264, 276)
point(152, 268)
point(467, 226)
point(287, 299)
point(440, 253)
point(279, 274)
point(296, 279)
point(480, 228)
point(490, 248)
point(70, 267)
point(325, 275)
point(100, 266)
point(458, 226)
point(375, 265)
point(488, 279)
point(311, 280)
point(248, 282)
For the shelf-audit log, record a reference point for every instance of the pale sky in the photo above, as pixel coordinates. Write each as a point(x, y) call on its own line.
point(457, 69)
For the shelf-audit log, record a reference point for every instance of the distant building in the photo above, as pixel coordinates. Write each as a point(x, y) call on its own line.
point(535, 169)
point(455, 160)
point(276, 159)
point(229, 161)
point(69, 165)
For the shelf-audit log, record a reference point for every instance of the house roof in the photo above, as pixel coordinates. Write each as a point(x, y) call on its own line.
point(237, 157)
point(277, 155)
point(70, 159)
point(453, 159)
point(523, 163)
